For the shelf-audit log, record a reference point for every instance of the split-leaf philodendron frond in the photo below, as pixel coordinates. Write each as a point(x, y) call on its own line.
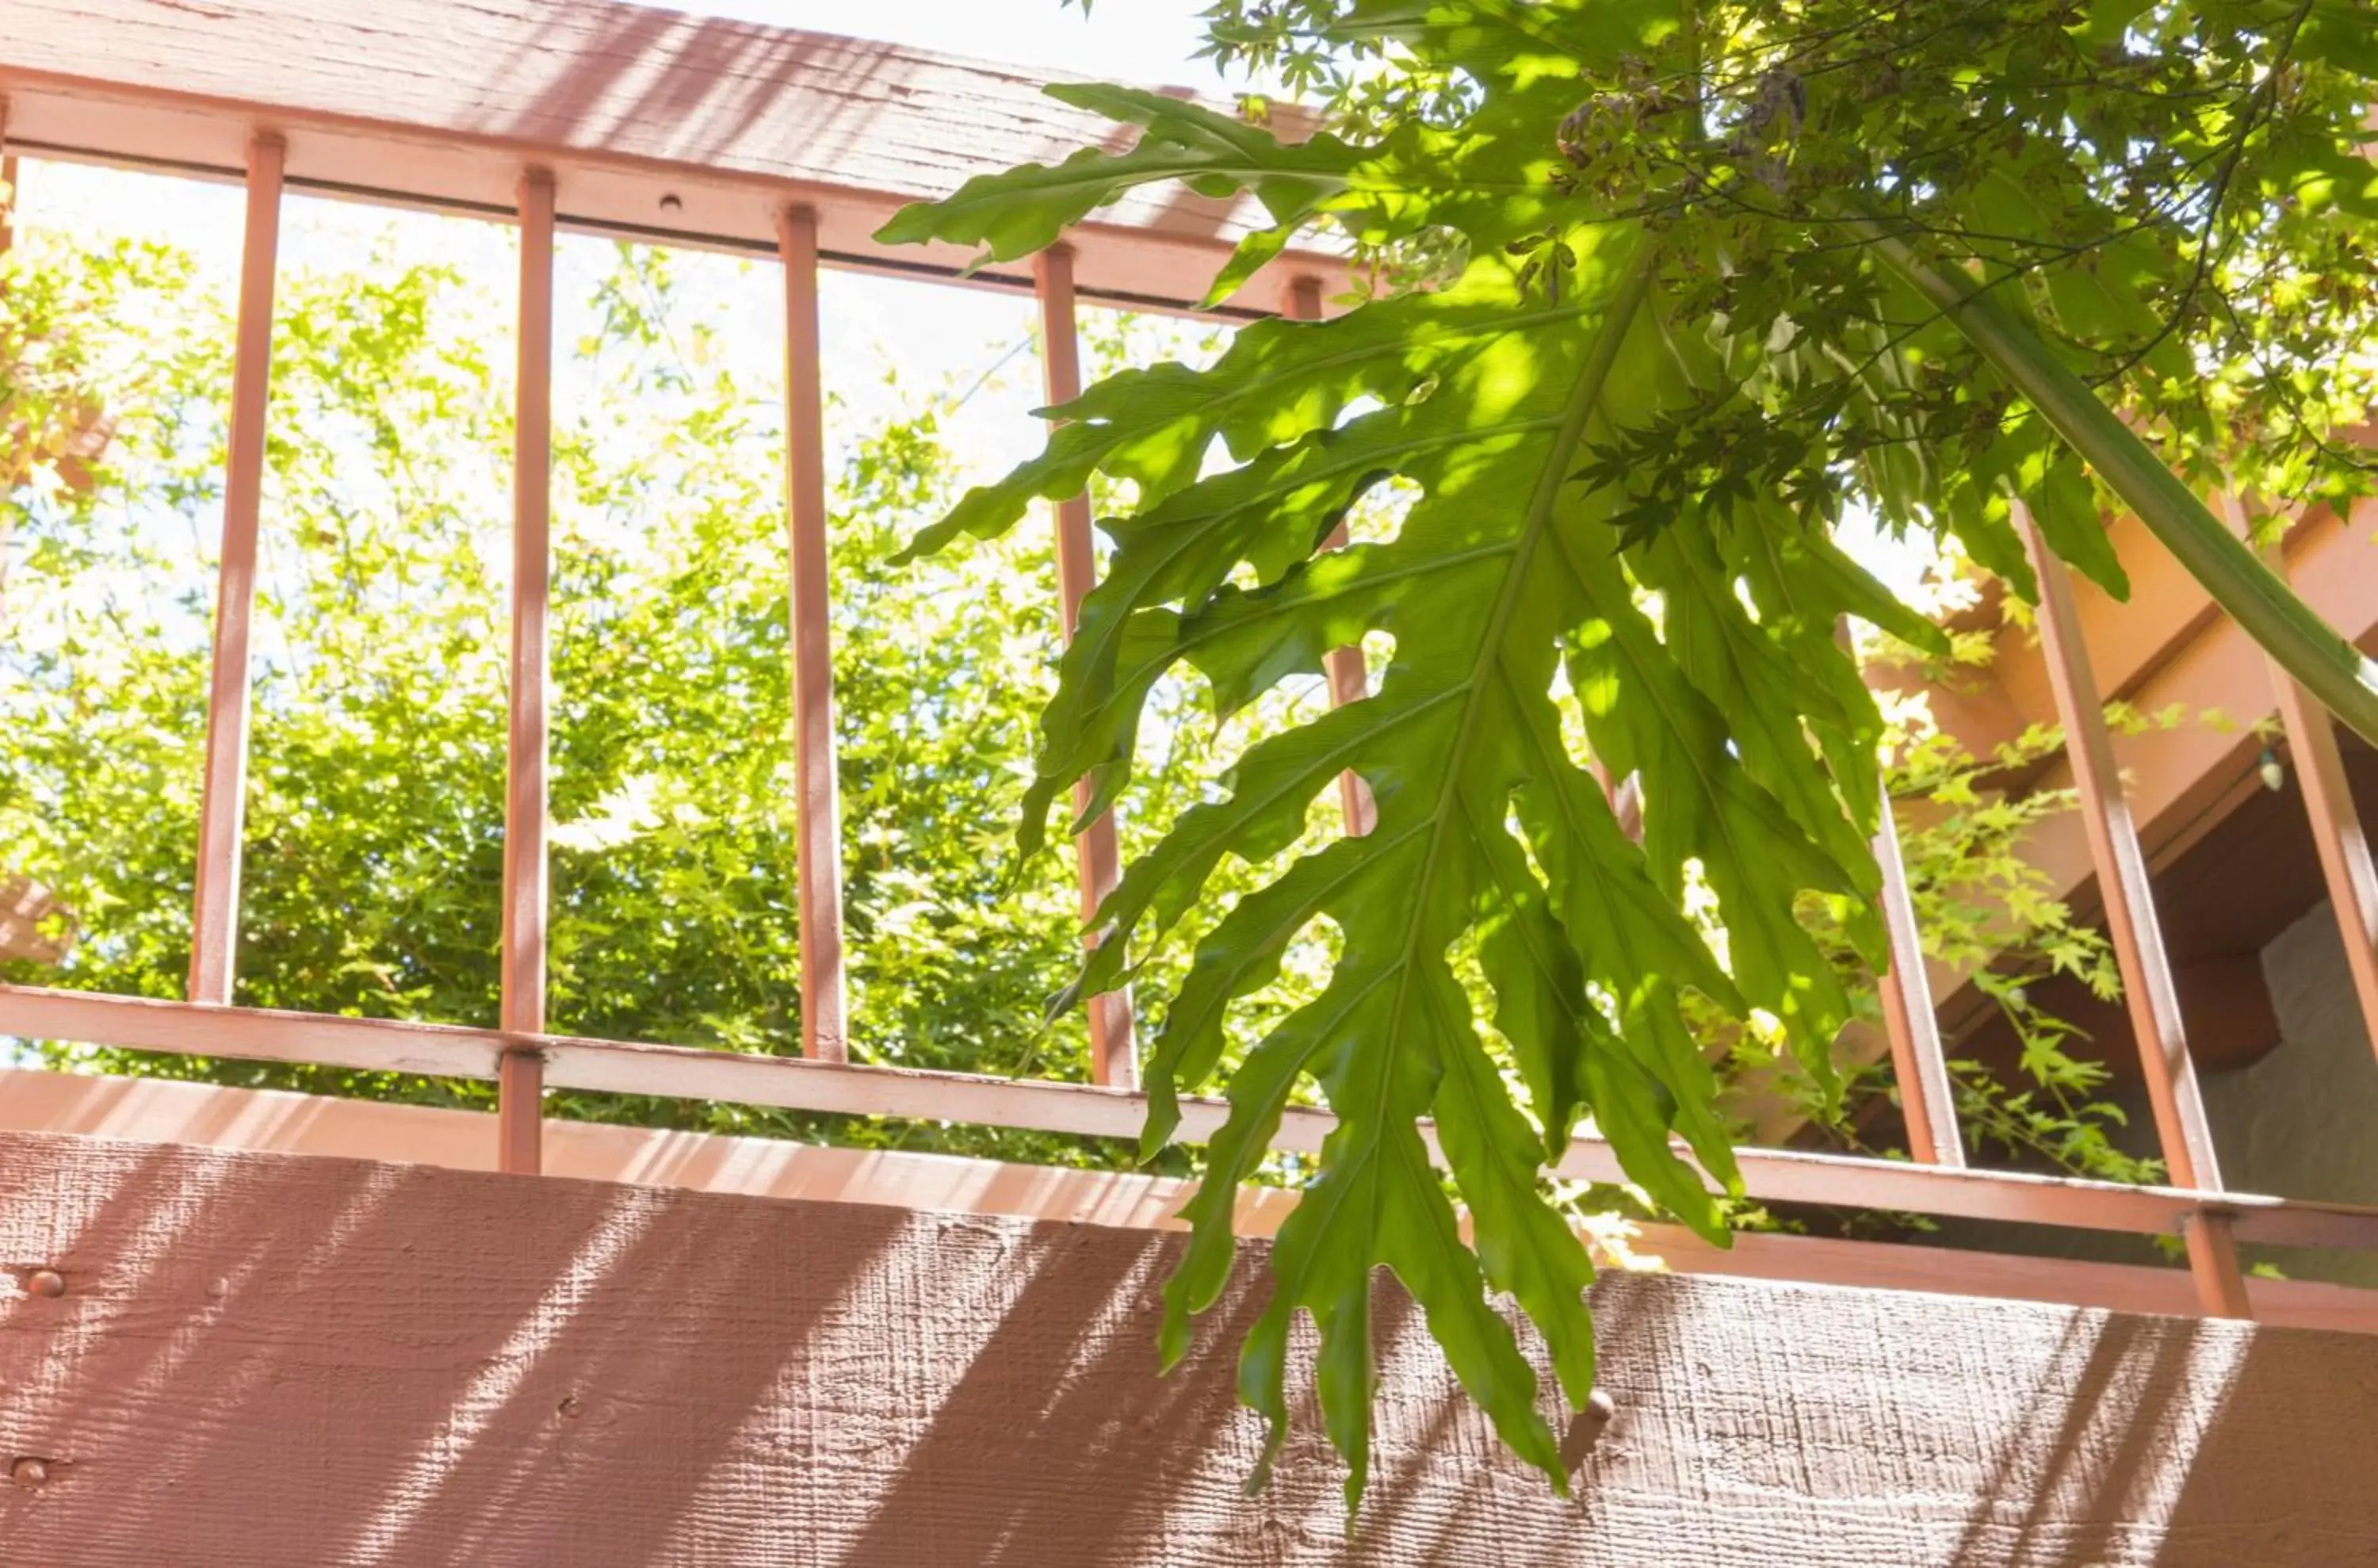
point(1692, 280)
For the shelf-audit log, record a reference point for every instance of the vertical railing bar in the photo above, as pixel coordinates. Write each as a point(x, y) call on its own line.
point(520, 1090)
point(2147, 988)
point(8, 178)
point(2336, 830)
point(1624, 798)
point(1098, 856)
point(1919, 1066)
point(816, 812)
point(1911, 1025)
point(214, 918)
point(1350, 676)
point(7, 243)
point(2214, 1265)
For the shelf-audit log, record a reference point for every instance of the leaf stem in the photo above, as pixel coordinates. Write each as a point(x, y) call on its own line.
point(2312, 651)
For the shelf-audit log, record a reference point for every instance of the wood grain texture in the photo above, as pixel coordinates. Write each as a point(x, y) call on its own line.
point(263, 1360)
point(440, 101)
point(274, 1121)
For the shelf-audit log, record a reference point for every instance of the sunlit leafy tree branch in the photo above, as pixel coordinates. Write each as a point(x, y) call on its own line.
point(374, 815)
point(1692, 280)
point(378, 893)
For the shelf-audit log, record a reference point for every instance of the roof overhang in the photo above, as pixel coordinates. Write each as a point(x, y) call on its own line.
point(684, 129)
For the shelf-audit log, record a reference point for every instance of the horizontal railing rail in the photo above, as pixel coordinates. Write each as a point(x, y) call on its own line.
point(956, 271)
point(793, 1083)
point(545, 135)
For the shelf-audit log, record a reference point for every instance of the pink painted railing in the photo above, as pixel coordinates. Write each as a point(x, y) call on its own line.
point(96, 95)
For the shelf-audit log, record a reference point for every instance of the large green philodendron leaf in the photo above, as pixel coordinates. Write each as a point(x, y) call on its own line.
point(1631, 418)
point(1509, 579)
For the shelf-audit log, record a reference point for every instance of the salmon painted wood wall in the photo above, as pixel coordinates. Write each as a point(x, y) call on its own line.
point(210, 1358)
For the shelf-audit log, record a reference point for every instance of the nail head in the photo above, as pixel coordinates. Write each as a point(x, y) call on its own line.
point(28, 1472)
point(45, 1283)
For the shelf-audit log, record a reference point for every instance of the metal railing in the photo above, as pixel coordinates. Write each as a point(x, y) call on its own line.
point(525, 1060)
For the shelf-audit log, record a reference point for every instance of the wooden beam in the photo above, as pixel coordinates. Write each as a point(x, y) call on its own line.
point(278, 1122)
point(214, 921)
point(2165, 646)
point(2129, 640)
point(816, 810)
point(241, 1359)
point(1098, 858)
point(2338, 836)
point(521, 1085)
point(1920, 1069)
point(153, 1110)
point(684, 1072)
point(2183, 1133)
point(686, 129)
point(1348, 672)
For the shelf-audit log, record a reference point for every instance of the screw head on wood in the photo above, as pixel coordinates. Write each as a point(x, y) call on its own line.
point(28, 1472)
point(47, 1283)
point(1585, 1430)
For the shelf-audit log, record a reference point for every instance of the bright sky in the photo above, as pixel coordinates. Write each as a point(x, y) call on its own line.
point(930, 335)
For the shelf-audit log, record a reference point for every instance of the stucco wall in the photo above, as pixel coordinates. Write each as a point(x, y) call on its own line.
point(2304, 1121)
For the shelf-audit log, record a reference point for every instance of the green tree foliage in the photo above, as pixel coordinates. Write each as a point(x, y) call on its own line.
point(373, 890)
point(374, 814)
point(1695, 277)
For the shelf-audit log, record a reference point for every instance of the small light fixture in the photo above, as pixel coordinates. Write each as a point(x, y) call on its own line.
point(2274, 773)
